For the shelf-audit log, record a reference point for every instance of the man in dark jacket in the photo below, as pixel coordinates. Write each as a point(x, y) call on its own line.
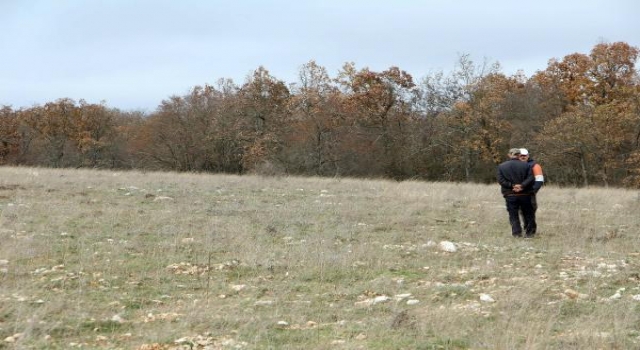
point(516, 182)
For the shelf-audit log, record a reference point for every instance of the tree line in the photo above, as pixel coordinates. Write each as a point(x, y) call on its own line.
point(580, 118)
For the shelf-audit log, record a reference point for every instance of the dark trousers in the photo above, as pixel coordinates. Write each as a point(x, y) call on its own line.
point(534, 203)
point(524, 203)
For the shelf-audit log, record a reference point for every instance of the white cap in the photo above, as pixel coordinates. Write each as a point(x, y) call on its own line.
point(524, 152)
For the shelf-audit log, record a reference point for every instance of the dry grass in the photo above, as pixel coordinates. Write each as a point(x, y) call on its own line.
point(130, 260)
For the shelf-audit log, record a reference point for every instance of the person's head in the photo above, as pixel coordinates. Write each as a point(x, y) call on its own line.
point(524, 154)
point(514, 153)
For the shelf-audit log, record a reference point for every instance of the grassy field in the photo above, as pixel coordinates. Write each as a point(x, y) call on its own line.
point(131, 260)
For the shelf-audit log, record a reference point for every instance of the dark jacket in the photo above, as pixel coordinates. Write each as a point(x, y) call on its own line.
point(513, 172)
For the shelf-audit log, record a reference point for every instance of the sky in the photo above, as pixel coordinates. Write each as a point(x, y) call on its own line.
point(132, 54)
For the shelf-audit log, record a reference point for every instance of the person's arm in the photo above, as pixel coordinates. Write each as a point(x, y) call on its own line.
point(502, 180)
point(529, 180)
point(538, 177)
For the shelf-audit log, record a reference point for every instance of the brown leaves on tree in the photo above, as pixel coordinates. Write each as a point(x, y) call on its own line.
point(580, 117)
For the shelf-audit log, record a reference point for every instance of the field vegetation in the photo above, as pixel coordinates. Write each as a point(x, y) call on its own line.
point(139, 260)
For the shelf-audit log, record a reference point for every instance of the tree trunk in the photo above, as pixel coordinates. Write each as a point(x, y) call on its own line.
point(583, 166)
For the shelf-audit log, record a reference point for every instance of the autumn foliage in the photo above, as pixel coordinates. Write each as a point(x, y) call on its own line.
point(580, 118)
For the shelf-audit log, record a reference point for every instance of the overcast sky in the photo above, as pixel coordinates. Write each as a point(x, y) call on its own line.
point(132, 54)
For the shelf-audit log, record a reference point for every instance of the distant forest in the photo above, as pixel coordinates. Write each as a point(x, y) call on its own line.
point(579, 118)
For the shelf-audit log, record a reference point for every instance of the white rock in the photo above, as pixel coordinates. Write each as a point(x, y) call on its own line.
point(283, 323)
point(182, 340)
point(636, 297)
point(447, 246)
point(238, 287)
point(363, 303)
point(412, 301)
point(13, 338)
point(372, 301)
point(429, 244)
point(381, 299)
point(487, 298)
point(117, 318)
point(4, 262)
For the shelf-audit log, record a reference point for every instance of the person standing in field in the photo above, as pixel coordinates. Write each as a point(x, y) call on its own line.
point(538, 175)
point(516, 185)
